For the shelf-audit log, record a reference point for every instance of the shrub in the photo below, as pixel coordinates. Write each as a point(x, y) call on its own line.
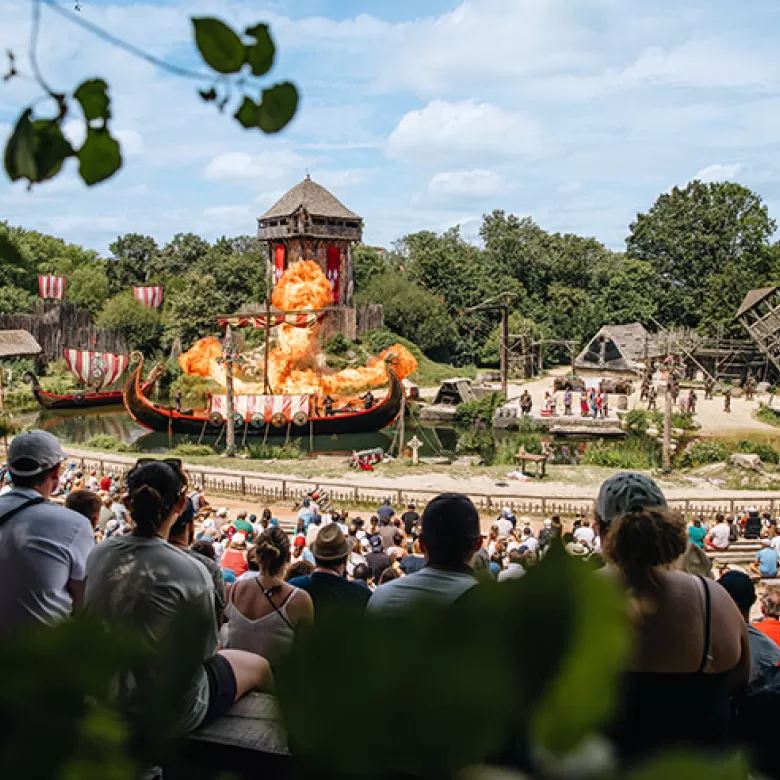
point(188, 449)
point(479, 439)
point(768, 415)
point(290, 451)
point(105, 442)
point(700, 452)
point(764, 450)
point(338, 345)
point(480, 410)
point(637, 420)
point(507, 448)
point(9, 426)
point(632, 454)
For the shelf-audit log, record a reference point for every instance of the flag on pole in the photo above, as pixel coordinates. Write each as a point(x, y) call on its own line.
point(52, 286)
point(149, 296)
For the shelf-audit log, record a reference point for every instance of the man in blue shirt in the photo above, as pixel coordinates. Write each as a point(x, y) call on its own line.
point(696, 533)
point(766, 560)
point(386, 511)
point(306, 513)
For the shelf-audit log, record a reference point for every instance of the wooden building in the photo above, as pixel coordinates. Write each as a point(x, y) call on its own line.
point(619, 349)
point(310, 223)
point(759, 314)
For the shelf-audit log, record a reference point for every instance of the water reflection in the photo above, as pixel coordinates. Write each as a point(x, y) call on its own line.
point(79, 427)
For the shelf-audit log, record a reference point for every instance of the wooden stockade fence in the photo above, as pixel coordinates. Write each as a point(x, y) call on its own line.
point(270, 489)
point(58, 325)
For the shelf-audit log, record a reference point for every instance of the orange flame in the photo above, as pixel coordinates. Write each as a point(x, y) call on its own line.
point(296, 363)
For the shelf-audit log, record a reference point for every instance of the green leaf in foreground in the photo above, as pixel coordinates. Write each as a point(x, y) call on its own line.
point(93, 97)
point(278, 107)
point(247, 113)
point(20, 150)
point(260, 55)
point(582, 695)
point(691, 767)
point(218, 44)
point(100, 157)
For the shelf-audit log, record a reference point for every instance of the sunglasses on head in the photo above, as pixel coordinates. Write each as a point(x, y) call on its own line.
point(174, 463)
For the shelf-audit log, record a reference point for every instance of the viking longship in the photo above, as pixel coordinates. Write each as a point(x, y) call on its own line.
point(96, 370)
point(261, 415)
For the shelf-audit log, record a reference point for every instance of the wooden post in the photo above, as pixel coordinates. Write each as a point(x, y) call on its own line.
point(230, 430)
point(667, 430)
point(243, 485)
point(505, 351)
point(3, 417)
point(402, 425)
point(266, 387)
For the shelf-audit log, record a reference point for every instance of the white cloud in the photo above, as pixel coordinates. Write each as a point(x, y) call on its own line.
point(447, 130)
point(720, 172)
point(478, 183)
point(335, 179)
point(131, 141)
point(258, 168)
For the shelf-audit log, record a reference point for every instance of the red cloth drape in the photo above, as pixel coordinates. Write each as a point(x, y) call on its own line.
point(333, 271)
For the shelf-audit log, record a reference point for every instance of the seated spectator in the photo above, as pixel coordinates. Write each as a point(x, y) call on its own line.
point(254, 566)
point(697, 533)
point(377, 559)
point(515, 569)
point(241, 523)
point(764, 652)
point(144, 581)
point(388, 575)
point(765, 564)
point(327, 584)
point(86, 503)
point(362, 575)
point(306, 513)
point(263, 614)
point(585, 534)
point(398, 551)
point(182, 536)
point(299, 568)
point(411, 564)
point(530, 542)
point(770, 609)
point(691, 648)
point(356, 556)
point(504, 523)
point(718, 538)
point(450, 536)
point(234, 558)
point(43, 547)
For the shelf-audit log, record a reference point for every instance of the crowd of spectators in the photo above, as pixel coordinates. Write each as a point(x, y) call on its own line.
point(144, 549)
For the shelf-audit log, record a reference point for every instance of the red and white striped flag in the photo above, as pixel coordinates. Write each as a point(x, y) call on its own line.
point(52, 286)
point(149, 296)
point(96, 369)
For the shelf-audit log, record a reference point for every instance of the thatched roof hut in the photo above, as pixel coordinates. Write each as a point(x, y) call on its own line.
point(618, 348)
point(312, 198)
point(17, 343)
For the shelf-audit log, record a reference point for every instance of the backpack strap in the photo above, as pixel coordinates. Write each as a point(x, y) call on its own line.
point(24, 505)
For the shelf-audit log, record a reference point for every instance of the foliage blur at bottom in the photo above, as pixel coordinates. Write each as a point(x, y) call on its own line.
point(523, 673)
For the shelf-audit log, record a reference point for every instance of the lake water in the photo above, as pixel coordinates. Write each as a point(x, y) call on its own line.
point(80, 427)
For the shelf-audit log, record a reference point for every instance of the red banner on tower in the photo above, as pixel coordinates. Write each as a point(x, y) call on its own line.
point(149, 296)
point(52, 286)
point(333, 270)
point(278, 263)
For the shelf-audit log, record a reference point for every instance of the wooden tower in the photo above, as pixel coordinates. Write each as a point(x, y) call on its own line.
point(309, 223)
point(760, 316)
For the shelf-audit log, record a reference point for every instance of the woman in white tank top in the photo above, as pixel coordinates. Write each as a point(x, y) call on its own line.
point(263, 612)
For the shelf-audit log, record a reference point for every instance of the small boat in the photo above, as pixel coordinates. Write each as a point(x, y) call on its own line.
point(273, 422)
point(97, 370)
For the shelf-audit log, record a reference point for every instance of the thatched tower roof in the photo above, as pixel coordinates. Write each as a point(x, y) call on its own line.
point(314, 199)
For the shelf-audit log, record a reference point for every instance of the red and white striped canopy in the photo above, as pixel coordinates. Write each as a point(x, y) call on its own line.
point(96, 369)
point(149, 296)
point(296, 320)
point(265, 406)
point(52, 286)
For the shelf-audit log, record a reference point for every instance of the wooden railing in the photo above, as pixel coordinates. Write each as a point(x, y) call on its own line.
point(268, 489)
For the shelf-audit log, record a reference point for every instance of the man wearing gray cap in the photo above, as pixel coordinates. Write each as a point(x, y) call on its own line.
point(43, 546)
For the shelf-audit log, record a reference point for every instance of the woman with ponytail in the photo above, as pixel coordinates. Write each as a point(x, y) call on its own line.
point(147, 584)
point(264, 612)
point(691, 651)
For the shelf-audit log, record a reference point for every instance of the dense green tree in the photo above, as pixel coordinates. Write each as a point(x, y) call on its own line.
point(14, 300)
point(88, 287)
point(238, 266)
point(518, 325)
point(413, 312)
point(702, 241)
point(368, 262)
point(140, 324)
point(132, 263)
point(621, 287)
point(180, 255)
point(191, 309)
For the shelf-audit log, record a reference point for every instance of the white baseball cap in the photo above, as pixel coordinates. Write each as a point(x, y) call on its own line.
point(33, 452)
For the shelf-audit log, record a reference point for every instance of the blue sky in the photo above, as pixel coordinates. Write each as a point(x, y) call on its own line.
point(420, 115)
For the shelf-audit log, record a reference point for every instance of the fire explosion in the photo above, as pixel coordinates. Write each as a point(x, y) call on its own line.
point(294, 362)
